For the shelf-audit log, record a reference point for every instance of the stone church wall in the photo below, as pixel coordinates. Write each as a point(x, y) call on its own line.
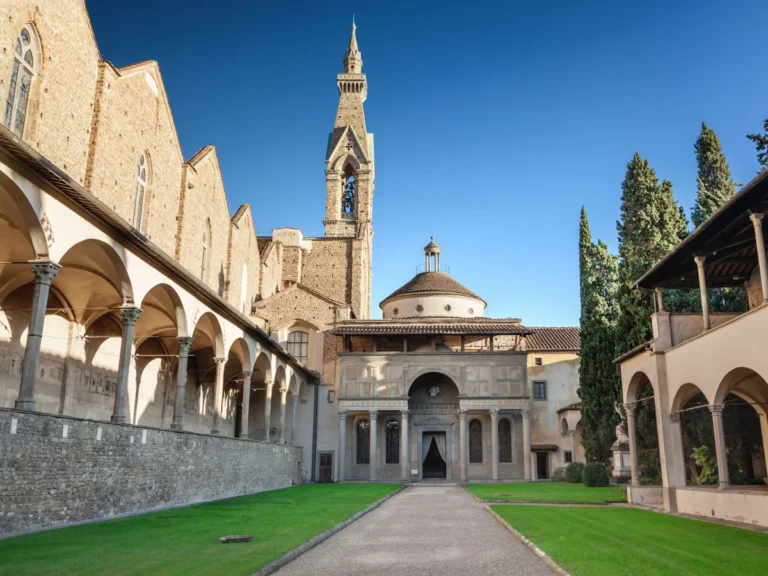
point(59, 470)
point(244, 258)
point(271, 270)
point(62, 97)
point(327, 268)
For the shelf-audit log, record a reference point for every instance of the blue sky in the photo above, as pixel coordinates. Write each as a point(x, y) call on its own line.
point(494, 121)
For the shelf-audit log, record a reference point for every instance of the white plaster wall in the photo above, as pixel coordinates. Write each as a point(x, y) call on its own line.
point(733, 505)
point(434, 305)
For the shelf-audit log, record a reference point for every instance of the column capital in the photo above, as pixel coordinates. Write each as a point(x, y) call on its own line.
point(44, 271)
point(630, 408)
point(374, 414)
point(572, 433)
point(268, 382)
point(219, 361)
point(757, 218)
point(130, 315)
point(463, 413)
point(699, 260)
point(494, 412)
point(717, 408)
point(185, 343)
point(526, 412)
point(342, 414)
point(247, 374)
point(404, 413)
point(674, 417)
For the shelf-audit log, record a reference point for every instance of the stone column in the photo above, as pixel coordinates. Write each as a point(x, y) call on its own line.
point(495, 443)
point(632, 434)
point(463, 445)
point(44, 273)
point(294, 419)
point(283, 400)
point(130, 317)
point(181, 383)
point(573, 444)
point(659, 300)
point(268, 410)
point(527, 443)
point(722, 457)
point(342, 445)
point(218, 394)
point(245, 412)
point(757, 222)
point(703, 289)
point(374, 422)
point(405, 464)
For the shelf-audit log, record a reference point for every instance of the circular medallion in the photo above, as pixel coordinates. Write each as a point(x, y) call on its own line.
point(433, 390)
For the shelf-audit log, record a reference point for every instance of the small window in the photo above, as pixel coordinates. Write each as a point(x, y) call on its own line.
point(539, 390)
point(395, 311)
point(20, 83)
point(419, 308)
point(568, 456)
point(141, 187)
point(471, 311)
point(538, 361)
point(447, 307)
point(298, 346)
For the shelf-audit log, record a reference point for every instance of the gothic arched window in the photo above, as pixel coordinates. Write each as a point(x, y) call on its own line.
point(475, 442)
point(363, 442)
point(22, 74)
point(141, 187)
point(206, 250)
point(348, 199)
point(298, 344)
point(393, 442)
point(505, 440)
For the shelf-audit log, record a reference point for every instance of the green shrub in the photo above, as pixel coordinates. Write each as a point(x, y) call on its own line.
point(594, 474)
point(708, 465)
point(559, 474)
point(573, 472)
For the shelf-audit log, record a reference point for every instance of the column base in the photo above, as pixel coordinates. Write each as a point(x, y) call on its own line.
point(119, 419)
point(176, 426)
point(215, 432)
point(244, 436)
point(25, 405)
point(724, 486)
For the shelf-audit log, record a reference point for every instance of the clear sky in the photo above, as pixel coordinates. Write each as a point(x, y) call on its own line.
point(494, 121)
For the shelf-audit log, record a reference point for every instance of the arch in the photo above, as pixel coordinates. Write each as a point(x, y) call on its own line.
point(143, 179)
point(163, 314)
point(262, 368)
point(346, 160)
point(293, 385)
point(16, 210)
point(743, 382)
point(638, 381)
point(240, 349)
point(432, 369)
point(207, 331)
point(684, 394)
point(564, 426)
point(280, 377)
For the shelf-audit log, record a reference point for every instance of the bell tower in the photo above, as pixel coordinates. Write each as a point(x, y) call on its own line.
point(349, 161)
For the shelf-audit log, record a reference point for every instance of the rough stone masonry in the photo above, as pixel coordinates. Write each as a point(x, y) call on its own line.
point(57, 470)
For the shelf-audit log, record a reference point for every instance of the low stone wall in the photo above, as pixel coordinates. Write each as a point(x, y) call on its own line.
point(646, 495)
point(749, 507)
point(56, 470)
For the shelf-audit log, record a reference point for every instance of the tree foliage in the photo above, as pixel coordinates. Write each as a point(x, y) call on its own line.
point(599, 379)
point(761, 145)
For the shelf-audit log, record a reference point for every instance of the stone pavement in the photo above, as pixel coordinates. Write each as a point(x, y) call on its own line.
point(424, 531)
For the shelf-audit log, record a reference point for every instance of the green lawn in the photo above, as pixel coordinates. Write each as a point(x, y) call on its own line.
point(546, 492)
point(601, 541)
point(186, 540)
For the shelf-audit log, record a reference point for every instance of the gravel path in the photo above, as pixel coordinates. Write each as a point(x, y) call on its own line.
point(422, 531)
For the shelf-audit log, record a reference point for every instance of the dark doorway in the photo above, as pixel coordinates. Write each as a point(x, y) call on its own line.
point(326, 467)
point(542, 465)
point(238, 414)
point(434, 465)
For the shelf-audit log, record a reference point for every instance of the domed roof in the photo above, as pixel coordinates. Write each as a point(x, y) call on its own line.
point(432, 283)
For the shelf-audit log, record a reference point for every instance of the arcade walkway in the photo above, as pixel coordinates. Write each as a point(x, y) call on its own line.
point(422, 531)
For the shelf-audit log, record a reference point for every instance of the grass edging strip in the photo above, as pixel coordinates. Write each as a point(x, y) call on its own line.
point(551, 564)
point(275, 565)
point(540, 502)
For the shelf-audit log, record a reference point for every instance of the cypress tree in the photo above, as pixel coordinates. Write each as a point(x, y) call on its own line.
point(761, 145)
point(599, 379)
point(715, 185)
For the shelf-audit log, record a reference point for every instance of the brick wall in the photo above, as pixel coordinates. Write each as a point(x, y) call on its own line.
point(58, 470)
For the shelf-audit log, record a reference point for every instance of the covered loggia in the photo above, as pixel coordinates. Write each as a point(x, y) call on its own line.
point(260, 398)
point(643, 431)
point(205, 356)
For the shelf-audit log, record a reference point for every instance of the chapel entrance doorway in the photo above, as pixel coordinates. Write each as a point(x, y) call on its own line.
point(542, 465)
point(434, 465)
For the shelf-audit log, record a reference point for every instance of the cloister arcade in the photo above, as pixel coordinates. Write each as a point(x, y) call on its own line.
point(90, 329)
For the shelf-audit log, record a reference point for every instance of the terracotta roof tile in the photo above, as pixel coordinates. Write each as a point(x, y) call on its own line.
point(565, 339)
point(574, 406)
point(430, 283)
point(483, 326)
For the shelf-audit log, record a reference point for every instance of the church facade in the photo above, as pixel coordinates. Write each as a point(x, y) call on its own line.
point(131, 295)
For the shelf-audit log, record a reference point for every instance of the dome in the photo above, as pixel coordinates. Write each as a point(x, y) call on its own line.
point(432, 294)
point(432, 283)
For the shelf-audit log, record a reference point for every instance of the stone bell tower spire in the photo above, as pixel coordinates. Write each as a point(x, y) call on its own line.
point(349, 161)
